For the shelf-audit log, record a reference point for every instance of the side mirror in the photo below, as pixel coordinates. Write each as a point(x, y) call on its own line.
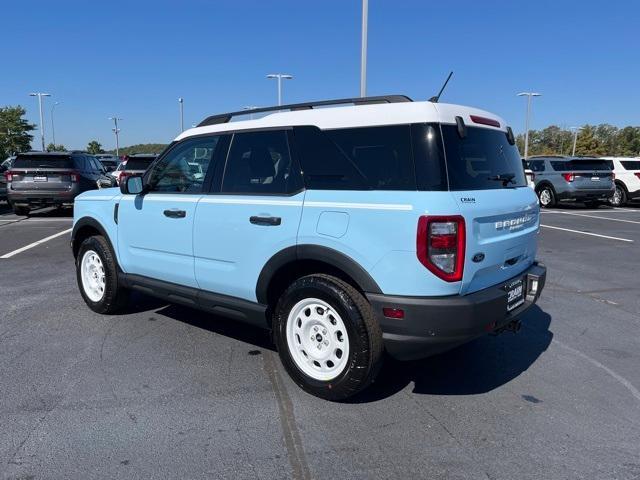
point(132, 186)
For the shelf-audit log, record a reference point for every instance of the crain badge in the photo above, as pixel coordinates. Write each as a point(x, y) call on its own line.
point(514, 223)
point(467, 199)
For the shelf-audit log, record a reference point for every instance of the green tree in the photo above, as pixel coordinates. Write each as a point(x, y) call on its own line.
point(94, 147)
point(14, 131)
point(56, 148)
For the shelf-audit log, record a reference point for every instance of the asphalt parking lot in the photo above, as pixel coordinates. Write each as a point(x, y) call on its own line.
point(168, 392)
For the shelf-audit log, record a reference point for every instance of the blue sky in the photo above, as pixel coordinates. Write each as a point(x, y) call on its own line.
point(135, 58)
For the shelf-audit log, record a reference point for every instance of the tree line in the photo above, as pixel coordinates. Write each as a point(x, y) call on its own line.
point(592, 140)
point(598, 140)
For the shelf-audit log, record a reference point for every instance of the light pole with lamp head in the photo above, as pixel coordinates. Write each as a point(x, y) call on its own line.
point(280, 77)
point(526, 134)
point(116, 131)
point(40, 95)
point(53, 125)
point(181, 102)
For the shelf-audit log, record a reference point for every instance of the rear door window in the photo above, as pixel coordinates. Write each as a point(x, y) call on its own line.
point(260, 163)
point(43, 161)
point(482, 160)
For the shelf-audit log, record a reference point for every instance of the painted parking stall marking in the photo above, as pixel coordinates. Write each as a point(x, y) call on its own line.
point(35, 244)
point(587, 233)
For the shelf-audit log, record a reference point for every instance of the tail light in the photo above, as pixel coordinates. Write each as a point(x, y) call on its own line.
point(637, 174)
point(613, 176)
point(75, 177)
point(533, 176)
point(441, 245)
point(569, 177)
point(9, 176)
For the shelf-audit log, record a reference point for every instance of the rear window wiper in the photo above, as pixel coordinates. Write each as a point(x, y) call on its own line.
point(505, 178)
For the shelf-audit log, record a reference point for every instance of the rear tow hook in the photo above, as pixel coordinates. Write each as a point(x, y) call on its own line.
point(513, 326)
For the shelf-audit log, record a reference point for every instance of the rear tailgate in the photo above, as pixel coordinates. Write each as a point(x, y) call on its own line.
point(586, 173)
point(48, 179)
point(501, 213)
point(502, 234)
point(42, 172)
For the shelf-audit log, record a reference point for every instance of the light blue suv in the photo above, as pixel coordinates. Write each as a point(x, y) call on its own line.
point(378, 225)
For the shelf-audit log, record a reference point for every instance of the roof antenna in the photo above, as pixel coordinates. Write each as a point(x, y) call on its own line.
point(437, 97)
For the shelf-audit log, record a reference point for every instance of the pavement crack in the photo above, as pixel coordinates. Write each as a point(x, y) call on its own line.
point(292, 441)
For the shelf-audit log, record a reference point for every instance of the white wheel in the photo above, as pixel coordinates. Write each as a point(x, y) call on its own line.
point(93, 276)
point(317, 339)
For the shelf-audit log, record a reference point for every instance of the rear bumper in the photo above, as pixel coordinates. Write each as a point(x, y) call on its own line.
point(51, 197)
point(580, 195)
point(435, 324)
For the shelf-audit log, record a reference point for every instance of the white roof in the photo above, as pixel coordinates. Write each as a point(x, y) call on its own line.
point(356, 116)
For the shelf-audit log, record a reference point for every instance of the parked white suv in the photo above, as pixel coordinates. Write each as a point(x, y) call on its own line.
point(627, 175)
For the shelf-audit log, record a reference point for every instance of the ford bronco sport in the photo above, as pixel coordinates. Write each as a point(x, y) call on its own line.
point(378, 225)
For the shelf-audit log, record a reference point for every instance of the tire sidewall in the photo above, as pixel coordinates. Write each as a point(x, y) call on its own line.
point(315, 287)
point(551, 195)
point(111, 280)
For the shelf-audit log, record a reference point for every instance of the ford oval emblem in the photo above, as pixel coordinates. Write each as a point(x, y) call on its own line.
point(478, 257)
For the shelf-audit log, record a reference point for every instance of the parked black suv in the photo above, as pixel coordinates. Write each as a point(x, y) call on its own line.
point(38, 179)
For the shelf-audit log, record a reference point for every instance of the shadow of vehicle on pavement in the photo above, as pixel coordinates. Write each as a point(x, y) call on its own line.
point(477, 367)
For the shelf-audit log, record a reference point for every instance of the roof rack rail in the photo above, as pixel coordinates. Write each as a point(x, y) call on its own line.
point(226, 117)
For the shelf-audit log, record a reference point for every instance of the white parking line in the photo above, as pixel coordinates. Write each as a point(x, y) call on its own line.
point(596, 216)
point(35, 244)
point(583, 233)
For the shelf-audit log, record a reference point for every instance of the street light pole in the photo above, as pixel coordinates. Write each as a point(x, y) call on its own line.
point(181, 102)
point(250, 107)
point(363, 53)
point(575, 139)
point(280, 77)
point(116, 130)
point(53, 125)
point(526, 128)
point(40, 95)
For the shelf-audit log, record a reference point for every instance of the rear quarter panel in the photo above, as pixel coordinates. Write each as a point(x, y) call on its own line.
point(377, 229)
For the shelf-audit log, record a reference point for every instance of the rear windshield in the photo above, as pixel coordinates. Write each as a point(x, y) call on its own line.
point(631, 164)
point(482, 160)
point(581, 165)
point(43, 161)
point(138, 163)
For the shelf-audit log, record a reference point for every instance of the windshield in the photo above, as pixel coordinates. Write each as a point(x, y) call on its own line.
point(43, 161)
point(482, 160)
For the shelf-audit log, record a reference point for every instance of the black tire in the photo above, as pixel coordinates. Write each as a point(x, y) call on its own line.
point(622, 197)
point(115, 297)
point(22, 211)
point(364, 336)
point(547, 189)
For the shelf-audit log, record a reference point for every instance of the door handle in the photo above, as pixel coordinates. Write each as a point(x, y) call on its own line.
point(268, 221)
point(175, 213)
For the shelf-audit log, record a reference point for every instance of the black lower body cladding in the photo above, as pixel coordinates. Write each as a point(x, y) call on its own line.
point(433, 325)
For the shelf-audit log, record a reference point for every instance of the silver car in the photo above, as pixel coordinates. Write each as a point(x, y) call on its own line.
point(572, 179)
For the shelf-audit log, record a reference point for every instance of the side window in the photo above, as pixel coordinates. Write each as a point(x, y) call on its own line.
point(370, 158)
point(184, 167)
point(260, 163)
point(381, 154)
point(324, 166)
